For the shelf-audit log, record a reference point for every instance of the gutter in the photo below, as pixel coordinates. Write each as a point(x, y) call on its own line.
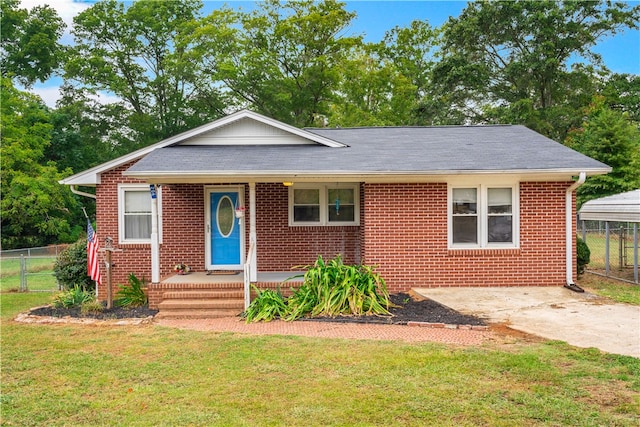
point(74, 190)
point(570, 232)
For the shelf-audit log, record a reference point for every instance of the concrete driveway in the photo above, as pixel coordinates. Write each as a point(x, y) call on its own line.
point(556, 313)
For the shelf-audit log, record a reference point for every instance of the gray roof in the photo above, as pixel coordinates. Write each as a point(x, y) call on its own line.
point(380, 151)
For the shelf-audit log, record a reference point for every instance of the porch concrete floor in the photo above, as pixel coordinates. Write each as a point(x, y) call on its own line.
point(237, 277)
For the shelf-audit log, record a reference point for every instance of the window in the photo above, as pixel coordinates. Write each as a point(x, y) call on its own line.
point(134, 213)
point(483, 216)
point(324, 204)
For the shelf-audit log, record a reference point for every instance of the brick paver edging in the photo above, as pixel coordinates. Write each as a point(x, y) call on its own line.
point(448, 326)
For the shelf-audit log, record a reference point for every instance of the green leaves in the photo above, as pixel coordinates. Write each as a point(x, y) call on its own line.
point(268, 305)
point(131, 295)
point(329, 289)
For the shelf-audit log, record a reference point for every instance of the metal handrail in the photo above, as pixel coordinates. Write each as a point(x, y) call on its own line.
point(247, 275)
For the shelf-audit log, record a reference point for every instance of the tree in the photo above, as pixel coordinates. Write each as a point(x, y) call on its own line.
point(609, 136)
point(29, 39)
point(139, 54)
point(511, 60)
point(282, 60)
point(371, 92)
point(33, 206)
point(622, 93)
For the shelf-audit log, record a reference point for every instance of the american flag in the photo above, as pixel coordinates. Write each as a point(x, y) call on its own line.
point(93, 264)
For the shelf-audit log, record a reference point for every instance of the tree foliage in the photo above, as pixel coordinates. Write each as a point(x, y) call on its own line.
point(512, 59)
point(283, 60)
point(30, 48)
point(138, 53)
point(33, 206)
point(609, 136)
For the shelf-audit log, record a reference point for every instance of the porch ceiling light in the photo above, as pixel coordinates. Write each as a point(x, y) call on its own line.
point(287, 183)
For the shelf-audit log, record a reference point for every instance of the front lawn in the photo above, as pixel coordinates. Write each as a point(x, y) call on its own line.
point(149, 375)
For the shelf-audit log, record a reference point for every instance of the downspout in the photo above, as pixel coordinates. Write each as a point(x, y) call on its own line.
point(74, 190)
point(570, 232)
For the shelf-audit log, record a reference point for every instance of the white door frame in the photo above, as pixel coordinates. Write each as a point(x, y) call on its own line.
point(208, 225)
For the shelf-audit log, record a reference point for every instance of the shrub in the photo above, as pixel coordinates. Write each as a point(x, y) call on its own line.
point(132, 295)
point(583, 254)
point(70, 268)
point(74, 297)
point(333, 288)
point(91, 307)
point(268, 305)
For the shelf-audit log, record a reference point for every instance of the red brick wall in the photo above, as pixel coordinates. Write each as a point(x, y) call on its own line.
point(406, 237)
point(134, 258)
point(281, 247)
point(411, 249)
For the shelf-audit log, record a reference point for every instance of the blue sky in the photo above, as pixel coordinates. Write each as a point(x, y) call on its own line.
point(621, 53)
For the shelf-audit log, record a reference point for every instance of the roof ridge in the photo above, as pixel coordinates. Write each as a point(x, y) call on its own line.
point(411, 127)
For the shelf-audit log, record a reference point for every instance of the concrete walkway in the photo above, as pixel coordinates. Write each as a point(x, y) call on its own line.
point(556, 313)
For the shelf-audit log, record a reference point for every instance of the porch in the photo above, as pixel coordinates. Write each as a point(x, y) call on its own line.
point(210, 295)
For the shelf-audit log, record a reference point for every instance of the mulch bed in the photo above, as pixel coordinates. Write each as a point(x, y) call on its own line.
point(411, 308)
point(112, 313)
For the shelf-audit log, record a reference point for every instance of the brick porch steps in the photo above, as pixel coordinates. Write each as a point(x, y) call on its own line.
point(201, 303)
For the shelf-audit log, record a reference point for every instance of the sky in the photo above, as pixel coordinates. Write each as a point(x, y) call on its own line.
point(620, 53)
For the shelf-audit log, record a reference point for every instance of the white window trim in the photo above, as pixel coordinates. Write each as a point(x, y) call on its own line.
point(122, 188)
point(482, 213)
point(324, 205)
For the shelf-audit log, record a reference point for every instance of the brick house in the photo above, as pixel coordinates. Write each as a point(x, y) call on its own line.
point(245, 198)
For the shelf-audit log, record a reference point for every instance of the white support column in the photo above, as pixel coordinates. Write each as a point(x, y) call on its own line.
point(155, 240)
point(252, 232)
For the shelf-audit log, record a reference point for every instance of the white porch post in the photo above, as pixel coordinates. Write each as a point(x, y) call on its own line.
point(155, 241)
point(253, 274)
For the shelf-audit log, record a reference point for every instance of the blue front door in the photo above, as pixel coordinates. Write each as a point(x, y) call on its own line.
point(225, 230)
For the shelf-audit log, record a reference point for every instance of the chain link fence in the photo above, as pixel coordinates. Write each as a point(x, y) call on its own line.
point(29, 269)
point(613, 247)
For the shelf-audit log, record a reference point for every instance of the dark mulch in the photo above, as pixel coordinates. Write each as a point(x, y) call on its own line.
point(112, 313)
point(410, 309)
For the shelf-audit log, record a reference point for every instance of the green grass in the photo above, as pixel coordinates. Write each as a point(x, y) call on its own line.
point(615, 290)
point(39, 274)
point(149, 375)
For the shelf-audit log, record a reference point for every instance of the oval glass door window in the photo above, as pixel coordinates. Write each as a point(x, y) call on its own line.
point(225, 216)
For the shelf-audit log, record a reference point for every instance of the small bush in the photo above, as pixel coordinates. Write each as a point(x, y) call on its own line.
point(268, 305)
point(132, 295)
point(70, 268)
point(74, 297)
point(583, 254)
point(91, 307)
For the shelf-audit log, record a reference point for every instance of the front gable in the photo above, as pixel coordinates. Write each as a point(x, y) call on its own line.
point(241, 128)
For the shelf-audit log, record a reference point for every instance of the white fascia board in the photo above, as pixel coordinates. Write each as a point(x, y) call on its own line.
point(353, 176)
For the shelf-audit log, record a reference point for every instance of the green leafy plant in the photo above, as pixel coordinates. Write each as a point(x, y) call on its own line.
point(583, 254)
point(268, 305)
point(70, 268)
point(132, 295)
point(91, 307)
point(333, 288)
point(73, 297)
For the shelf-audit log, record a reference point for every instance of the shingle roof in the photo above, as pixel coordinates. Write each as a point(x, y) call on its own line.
point(379, 151)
